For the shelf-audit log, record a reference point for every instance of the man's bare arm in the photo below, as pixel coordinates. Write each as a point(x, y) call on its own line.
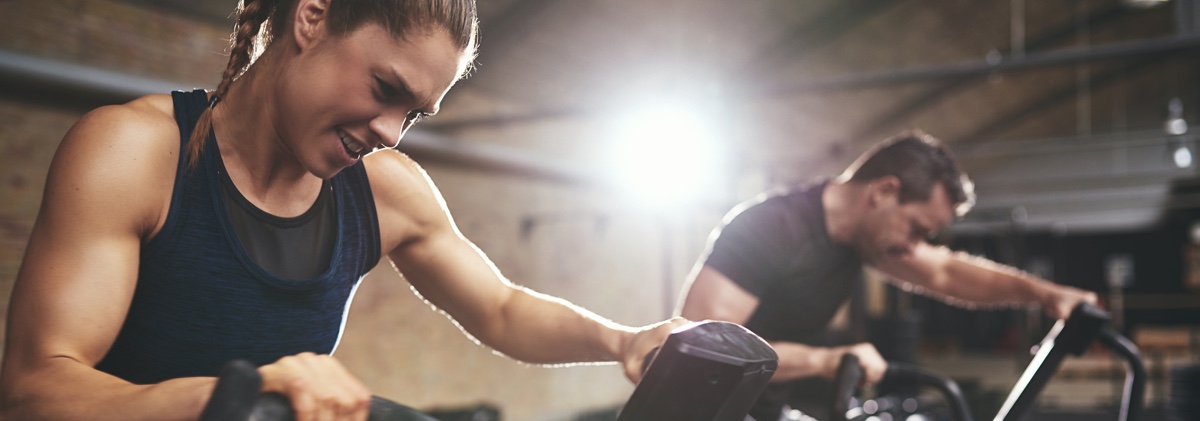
point(976, 281)
point(713, 296)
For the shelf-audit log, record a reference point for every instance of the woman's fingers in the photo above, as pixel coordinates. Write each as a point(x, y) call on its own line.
point(320, 388)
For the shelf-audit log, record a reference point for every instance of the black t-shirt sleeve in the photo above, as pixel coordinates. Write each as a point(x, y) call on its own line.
point(752, 247)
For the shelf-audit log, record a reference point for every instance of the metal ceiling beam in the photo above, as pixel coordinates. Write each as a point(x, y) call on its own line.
point(1187, 17)
point(216, 13)
point(1115, 51)
point(571, 111)
point(28, 72)
point(37, 79)
point(1054, 36)
point(1122, 50)
point(814, 33)
point(432, 148)
point(1064, 145)
point(802, 39)
point(1052, 99)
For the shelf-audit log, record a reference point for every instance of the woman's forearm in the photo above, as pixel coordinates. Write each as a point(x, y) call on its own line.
point(64, 389)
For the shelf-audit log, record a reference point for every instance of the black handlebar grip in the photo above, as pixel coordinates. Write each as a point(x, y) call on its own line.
point(237, 397)
point(1081, 328)
point(273, 407)
point(234, 395)
point(1135, 373)
point(277, 407)
point(649, 359)
point(908, 374)
point(849, 375)
point(708, 370)
point(898, 373)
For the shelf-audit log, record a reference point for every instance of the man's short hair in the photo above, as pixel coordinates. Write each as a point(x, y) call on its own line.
point(919, 161)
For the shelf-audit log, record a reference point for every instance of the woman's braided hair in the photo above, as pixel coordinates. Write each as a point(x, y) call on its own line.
point(251, 15)
point(260, 21)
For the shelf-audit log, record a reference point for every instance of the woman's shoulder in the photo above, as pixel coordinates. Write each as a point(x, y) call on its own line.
point(394, 176)
point(144, 122)
point(406, 200)
point(151, 112)
point(130, 151)
point(133, 142)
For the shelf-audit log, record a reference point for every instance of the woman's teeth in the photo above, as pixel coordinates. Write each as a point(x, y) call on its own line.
point(351, 147)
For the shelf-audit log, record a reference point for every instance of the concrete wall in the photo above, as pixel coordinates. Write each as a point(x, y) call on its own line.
point(582, 245)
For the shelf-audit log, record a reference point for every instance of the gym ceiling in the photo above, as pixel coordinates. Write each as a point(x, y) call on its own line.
point(1064, 112)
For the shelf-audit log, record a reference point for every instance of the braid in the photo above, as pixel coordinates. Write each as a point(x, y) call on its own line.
point(250, 18)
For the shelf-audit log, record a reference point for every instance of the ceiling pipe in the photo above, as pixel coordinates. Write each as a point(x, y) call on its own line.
point(38, 75)
point(116, 87)
point(429, 147)
point(983, 67)
point(1185, 20)
point(1195, 16)
point(997, 65)
point(900, 114)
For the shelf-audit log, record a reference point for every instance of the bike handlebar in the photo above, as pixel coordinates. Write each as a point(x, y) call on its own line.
point(850, 375)
point(845, 385)
point(1086, 325)
point(237, 397)
point(1135, 377)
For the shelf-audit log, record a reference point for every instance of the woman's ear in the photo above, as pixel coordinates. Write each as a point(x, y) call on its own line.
point(309, 24)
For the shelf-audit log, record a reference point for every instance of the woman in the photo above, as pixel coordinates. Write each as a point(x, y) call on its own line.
point(179, 232)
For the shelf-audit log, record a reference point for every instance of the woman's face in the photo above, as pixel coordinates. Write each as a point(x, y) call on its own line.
point(345, 97)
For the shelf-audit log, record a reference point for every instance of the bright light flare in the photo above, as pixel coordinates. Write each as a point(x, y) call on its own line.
point(1183, 157)
point(666, 154)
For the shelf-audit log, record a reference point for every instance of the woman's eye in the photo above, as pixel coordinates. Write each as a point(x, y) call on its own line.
point(416, 116)
point(386, 90)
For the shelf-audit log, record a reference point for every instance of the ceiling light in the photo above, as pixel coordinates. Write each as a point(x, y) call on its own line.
point(1144, 4)
point(1183, 156)
point(1175, 124)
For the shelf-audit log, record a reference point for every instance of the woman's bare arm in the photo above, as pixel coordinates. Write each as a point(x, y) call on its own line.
point(107, 192)
point(451, 273)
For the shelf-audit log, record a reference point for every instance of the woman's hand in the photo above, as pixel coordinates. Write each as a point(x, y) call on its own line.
point(644, 340)
point(320, 388)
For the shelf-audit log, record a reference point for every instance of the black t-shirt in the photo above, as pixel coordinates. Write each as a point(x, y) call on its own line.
point(777, 248)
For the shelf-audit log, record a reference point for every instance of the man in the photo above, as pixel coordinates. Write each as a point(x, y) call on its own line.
point(783, 263)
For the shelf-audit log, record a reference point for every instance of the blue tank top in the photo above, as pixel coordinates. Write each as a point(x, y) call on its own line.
point(201, 300)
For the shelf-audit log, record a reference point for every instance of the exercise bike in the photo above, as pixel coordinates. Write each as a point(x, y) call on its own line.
point(1086, 325)
point(704, 371)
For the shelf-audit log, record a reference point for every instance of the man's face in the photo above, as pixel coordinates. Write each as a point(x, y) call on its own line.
point(891, 229)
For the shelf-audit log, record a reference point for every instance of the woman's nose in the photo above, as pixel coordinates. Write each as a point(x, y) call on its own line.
point(389, 129)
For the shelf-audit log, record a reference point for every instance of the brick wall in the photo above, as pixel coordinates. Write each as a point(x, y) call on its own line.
point(573, 243)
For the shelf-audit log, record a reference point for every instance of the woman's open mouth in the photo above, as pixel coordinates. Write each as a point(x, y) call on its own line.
point(353, 149)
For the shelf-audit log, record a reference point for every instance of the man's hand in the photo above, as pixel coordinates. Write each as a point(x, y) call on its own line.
point(644, 340)
point(873, 364)
point(320, 388)
point(1060, 300)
